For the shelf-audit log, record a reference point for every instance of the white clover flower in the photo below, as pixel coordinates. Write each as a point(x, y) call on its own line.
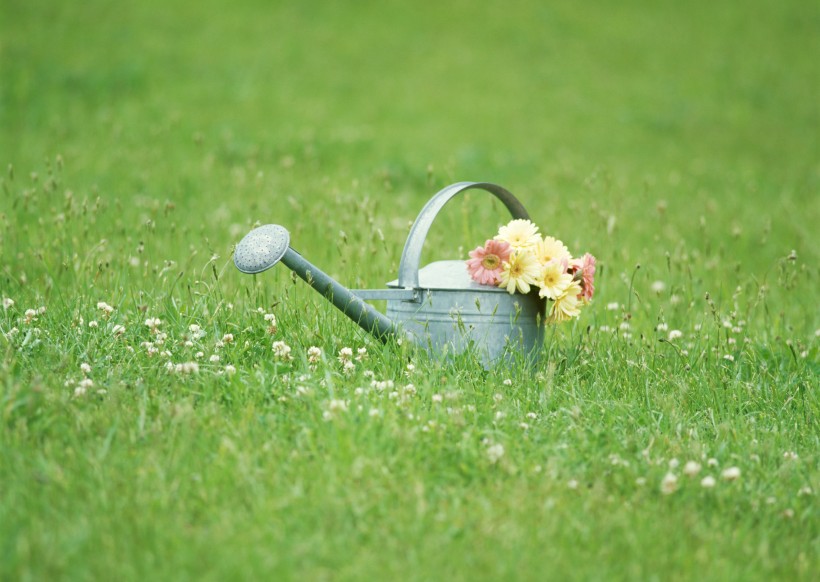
point(532, 415)
point(411, 368)
point(118, 330)
point(640, 481)
point(345, 355)
point(613, 306)
point(374, 412)
point(805, 490)
point(85, 368)
point(707, 482)
point(196, 331)
point(790, 456)
point(348, 367)
point(230, 370)
point(314, 354)
point(337, 405)
point(199, 355)
point(93, 324)
point(214, 358)
point(79, 391)
point(437, 398)
point(669, 484)
point(729, 357)
point(105, 307)
point(675, 334)
point(153, 323)
point(281, 350)
point(227, 338)
point(673, 463)
point(187, 368)
point(658, 286)
point(691, 468)
point(41, 310)
point(7, 303)
point(30, 315)
point(498, 397)
point(361, 354)
point(572, 484)
point(507, 382)
point(730, 474)
point(12, 332)
point(495, 452)
point(270, 317)
point(662, 327)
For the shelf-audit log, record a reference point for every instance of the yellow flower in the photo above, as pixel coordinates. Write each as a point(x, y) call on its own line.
point(519, 272)
point(567, 305)
point(520, 233)
point(551, 249)
point(553, 280)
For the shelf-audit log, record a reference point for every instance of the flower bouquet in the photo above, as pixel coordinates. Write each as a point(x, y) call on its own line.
point(520, 259)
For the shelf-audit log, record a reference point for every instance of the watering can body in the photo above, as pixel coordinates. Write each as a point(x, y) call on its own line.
point(438, 307)
point(453, 314)
point(448, 312)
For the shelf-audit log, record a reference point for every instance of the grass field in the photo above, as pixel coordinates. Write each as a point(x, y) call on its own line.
point(140, 141)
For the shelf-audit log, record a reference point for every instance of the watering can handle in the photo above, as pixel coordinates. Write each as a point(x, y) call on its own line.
point(411, 255)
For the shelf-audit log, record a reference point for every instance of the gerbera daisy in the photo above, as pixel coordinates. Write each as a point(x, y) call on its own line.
point(553, 280)
point(551, 249)
point(486, 262)
point(519, 272)
point(567, 305)
point(520, 233)
point(584, 272)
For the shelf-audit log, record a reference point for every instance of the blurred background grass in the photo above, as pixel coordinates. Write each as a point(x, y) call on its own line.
point(630, 129)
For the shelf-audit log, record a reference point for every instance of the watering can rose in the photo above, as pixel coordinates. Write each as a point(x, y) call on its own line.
point(518, 259)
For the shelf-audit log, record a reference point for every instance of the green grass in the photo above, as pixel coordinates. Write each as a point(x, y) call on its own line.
point(677, 143)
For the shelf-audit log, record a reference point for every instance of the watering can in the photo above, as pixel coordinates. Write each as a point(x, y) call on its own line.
point(439, 307)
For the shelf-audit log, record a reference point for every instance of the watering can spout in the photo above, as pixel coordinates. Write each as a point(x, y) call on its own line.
point(265, 246)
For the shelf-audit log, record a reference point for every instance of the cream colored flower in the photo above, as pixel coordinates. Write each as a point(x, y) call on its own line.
point(519, 272)
point(551, 249)
point(567, 305)
point(669, 484)
point(553, 280)
point(520, 234)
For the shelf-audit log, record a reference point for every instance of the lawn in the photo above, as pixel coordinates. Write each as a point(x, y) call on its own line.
point(669, 433)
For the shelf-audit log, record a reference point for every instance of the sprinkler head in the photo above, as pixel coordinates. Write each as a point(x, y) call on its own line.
point(261, 248)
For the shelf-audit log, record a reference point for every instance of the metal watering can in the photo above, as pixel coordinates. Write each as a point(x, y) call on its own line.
point(438, 307)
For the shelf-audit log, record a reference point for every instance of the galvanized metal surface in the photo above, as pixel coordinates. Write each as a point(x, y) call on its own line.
point(261, 248)
point(457, 314)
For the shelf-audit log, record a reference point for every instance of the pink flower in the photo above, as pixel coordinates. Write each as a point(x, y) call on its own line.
point(583, 270)
point(485, 263)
